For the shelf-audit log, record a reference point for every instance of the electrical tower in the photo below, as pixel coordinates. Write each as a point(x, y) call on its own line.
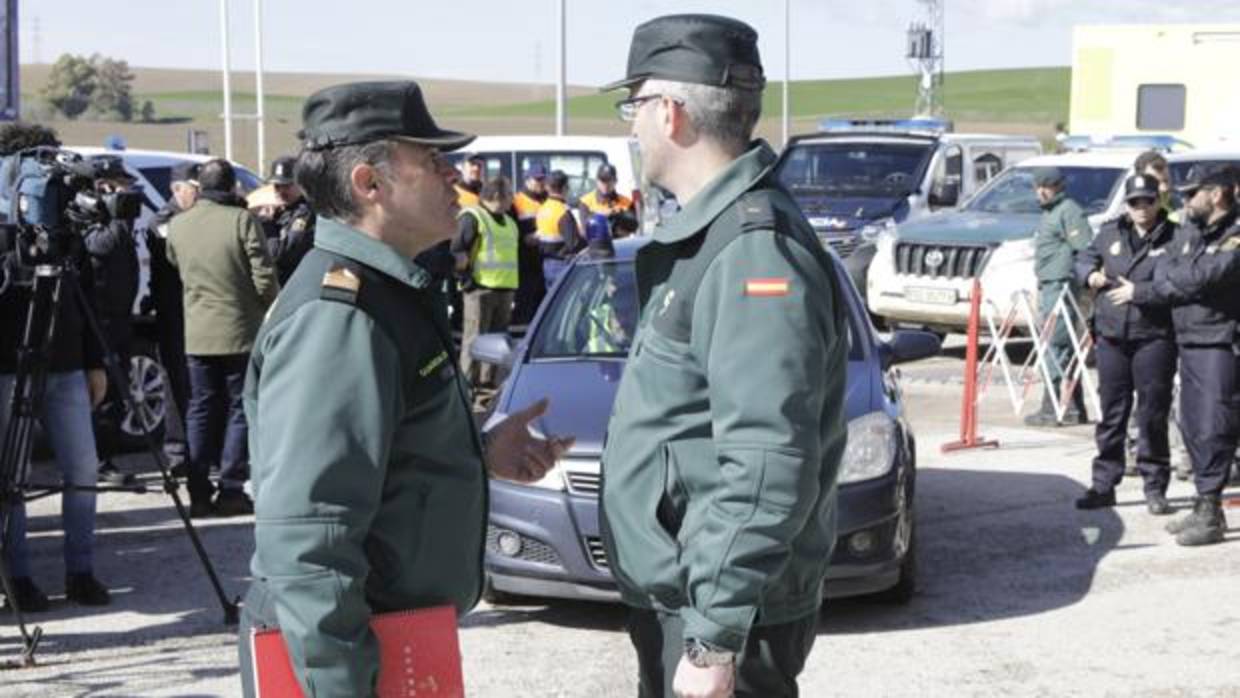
point(925, 53)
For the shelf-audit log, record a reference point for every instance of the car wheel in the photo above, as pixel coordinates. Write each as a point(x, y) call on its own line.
point(148, 388)
point(906, 588)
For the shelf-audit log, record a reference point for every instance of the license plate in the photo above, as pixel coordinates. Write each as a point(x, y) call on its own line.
point(934, 296)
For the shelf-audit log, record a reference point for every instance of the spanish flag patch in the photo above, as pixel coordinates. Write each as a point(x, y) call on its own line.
point(766, 287)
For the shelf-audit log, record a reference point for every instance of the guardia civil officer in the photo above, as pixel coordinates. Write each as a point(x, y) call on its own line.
point(369, 476)
point(1062, 232)
point(1199, 278)
point(1135, 347)
point(294, 223)
point(718, 504)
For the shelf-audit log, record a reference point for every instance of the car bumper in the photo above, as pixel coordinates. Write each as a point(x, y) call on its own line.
point(561, 554)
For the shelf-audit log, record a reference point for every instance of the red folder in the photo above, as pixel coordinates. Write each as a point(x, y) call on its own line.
point(418, 656)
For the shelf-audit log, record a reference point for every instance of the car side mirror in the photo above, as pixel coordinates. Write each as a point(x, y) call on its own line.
point(908, 345)
point(944, 194)
point(494, 348)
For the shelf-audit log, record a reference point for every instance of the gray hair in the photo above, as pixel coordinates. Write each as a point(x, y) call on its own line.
point(326, 176)
point(727, 115)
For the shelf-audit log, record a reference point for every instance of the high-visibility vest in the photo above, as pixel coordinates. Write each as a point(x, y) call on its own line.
point(600, 338)
point(526, 206)
point(466, 198)
point(597, 204)
point(547, 222)
point(493, 258)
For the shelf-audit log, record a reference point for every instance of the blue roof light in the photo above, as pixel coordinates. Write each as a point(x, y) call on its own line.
point(915, 125)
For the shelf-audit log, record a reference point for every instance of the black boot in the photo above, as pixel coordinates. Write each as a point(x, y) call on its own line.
point(1157, 504)
point(1093, 499)
point(1205, 526)
point(83, 588)
point(30, 598)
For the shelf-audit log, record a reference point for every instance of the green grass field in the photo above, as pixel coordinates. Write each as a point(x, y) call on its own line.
point(1027, 100)
point(1007, 96)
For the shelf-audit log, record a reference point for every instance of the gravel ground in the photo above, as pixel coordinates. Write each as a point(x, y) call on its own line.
point(1021, 595)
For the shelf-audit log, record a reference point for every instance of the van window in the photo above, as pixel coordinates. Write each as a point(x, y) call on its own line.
point(1161, 107)
point(985, 166)
point(579, 166)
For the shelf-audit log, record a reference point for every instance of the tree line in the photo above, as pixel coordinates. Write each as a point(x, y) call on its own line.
point(96, 86)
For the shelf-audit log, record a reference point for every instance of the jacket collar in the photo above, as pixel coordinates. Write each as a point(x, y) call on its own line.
point(342, 239)
point(1055, 201)
point(720, 192)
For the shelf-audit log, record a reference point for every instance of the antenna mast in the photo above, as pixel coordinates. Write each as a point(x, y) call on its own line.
point(925, 53)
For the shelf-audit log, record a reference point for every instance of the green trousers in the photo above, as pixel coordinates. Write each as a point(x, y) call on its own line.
point(774, 655)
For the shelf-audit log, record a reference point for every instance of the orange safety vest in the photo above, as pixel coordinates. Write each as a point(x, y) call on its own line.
point(597, 204)
point(547, 222)
point(526, 206)
point(466, 198)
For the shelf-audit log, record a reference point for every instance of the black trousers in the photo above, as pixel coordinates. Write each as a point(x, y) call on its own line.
point(774, 655)
point(1148, 367)
point(1208, 413)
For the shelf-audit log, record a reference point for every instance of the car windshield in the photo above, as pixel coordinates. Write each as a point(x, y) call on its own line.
point(1012, 191)
point(593, 314)
point(876, 170)
point(160, 177)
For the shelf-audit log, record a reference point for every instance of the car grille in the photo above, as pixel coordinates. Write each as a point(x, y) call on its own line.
point(954, 261)
point(531, 550)
point(843, 246)
point(582, 476)
point(598, 554)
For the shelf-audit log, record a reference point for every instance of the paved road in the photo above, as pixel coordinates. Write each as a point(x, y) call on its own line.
point(1021, 596)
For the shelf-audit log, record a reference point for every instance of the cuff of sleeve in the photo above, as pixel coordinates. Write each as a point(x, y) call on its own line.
point(1141, 294)
point(699, 627)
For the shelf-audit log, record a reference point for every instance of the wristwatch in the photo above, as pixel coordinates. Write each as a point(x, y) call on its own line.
point(702, 655)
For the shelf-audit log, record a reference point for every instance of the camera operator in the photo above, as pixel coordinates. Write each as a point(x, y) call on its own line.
point(75, 382)
point(113, 258)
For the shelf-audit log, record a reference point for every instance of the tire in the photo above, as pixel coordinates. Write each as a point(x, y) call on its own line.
point(148, 386)
point(906, 587)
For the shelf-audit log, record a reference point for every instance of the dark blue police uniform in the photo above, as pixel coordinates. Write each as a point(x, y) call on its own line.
point(1200, 278)
point(1135, 350)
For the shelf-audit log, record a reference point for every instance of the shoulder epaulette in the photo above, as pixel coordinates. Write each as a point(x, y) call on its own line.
point(340, 283)
point(757, 211)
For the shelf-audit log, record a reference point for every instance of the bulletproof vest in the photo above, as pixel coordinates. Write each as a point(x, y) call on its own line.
point(683, 264)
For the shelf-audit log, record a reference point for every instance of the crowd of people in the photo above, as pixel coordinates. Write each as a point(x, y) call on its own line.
point(1166, 301)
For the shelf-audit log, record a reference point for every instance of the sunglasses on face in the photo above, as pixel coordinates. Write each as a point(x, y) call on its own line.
point(1141, 202)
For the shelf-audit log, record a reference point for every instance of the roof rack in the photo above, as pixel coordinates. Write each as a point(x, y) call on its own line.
point(1080, 143)
point(927, 125)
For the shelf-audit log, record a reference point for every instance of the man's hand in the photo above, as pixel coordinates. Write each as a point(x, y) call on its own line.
point(513, 453)
point(1122, 293)
point(1096, 280)
point(704, 682)
point(97, 382)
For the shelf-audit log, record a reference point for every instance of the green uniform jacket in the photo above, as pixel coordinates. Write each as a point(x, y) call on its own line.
point(369, 485)
point(1063, 231)
point(719, 473)
point(229, 281)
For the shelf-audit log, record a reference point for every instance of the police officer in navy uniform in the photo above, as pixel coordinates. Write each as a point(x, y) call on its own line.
point(294, 224)
point(1199, 278)
point(370, 478)
point(1135, 347)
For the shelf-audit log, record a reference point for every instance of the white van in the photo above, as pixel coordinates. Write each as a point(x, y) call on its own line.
point(577, 156)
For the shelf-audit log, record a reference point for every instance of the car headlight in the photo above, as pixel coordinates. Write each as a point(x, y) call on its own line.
point(872, 230)
point(871, 448)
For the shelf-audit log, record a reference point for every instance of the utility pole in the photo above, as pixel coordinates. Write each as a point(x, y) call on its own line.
point(787, 61)
point(258, 85)
point(228, 140)
point(925, 52)
point(561, 90)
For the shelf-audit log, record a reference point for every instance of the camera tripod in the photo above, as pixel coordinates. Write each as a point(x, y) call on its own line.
point(53, 285)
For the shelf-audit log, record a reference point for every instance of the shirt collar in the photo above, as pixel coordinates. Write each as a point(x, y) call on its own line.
point(720, 192)
point(334, 236)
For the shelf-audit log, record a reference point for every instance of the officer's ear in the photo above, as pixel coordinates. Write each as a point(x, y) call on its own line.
point(366, 180)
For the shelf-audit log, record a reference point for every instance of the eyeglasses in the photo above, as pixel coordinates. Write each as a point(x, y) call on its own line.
point(628, 108)
point(1141, 201)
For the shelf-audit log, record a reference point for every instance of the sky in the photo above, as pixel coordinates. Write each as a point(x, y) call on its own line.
point(517, 40)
